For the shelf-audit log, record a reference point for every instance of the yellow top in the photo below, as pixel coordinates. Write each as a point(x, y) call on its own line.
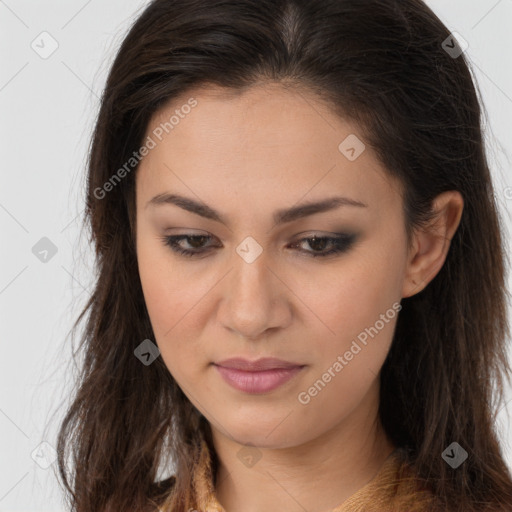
point(393, 489)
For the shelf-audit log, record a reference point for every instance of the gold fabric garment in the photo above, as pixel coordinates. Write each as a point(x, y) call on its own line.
point(393, 489)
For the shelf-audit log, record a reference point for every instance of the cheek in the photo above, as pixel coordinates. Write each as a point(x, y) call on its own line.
point(354, 295)
point(358, 302)
point(167, 300)
point(159, 293)
point(361, 306)
point(174, 297)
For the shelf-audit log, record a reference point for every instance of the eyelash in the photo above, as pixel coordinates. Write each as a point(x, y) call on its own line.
point(342, 243)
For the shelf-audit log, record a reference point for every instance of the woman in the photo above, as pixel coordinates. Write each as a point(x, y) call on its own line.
point(300, 301)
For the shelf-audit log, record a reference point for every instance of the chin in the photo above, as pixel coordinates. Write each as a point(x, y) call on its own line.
point(262, 436)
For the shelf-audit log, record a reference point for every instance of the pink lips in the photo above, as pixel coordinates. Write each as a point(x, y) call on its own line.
point(259, 376)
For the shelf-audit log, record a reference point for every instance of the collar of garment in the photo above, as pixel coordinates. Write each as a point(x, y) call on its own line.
point(393, 488)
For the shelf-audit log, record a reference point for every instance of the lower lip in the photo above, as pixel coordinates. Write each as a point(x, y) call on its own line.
point(257, 382)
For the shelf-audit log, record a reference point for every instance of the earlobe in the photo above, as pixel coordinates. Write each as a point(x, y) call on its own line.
point(432, 243)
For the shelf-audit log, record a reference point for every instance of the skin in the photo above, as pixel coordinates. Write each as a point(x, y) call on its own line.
point(248, 155)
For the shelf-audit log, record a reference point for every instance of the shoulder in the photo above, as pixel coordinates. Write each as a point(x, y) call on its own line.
point(395, 488)
point(411, 492)
point(398, 487)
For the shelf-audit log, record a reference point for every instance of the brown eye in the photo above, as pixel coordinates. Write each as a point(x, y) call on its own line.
point(318, 244)
point(195, 242)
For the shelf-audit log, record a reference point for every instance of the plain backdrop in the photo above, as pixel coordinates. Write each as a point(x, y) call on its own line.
point(48, 106)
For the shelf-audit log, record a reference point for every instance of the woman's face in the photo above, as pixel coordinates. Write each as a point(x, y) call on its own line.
point(255, 288)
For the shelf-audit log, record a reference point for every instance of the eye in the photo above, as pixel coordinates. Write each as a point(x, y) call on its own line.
point(195, 248)
point(195, 244)
point(338, 244)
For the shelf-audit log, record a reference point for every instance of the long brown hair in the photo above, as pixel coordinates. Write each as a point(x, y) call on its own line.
point(385, 64)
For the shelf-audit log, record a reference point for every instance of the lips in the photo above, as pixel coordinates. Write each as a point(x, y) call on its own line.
point(260, 376)
point(266, 363)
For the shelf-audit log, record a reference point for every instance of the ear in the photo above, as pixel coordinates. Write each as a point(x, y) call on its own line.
point(431, 243)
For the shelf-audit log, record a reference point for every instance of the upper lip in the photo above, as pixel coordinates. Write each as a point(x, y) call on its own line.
point(265, 363)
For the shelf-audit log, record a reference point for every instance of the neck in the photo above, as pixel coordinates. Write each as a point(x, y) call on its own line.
point(317, 475)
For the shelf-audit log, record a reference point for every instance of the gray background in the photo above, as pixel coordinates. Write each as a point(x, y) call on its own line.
point(47, 111)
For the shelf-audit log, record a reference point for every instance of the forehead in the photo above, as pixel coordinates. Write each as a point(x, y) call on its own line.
point(268, 142)
point(269, 115)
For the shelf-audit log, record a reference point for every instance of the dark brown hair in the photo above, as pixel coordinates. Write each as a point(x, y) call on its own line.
point(383, 64)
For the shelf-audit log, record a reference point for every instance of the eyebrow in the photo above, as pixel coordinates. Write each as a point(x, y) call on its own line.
point(280, 216)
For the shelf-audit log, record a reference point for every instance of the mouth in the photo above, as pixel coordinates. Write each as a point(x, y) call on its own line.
point(265, 363)
point(261, 376)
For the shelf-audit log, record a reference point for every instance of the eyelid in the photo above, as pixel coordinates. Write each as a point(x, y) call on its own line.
point(190, 232)
point(340, 242)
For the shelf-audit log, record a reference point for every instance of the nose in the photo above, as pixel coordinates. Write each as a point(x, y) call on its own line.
point(254, 300)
